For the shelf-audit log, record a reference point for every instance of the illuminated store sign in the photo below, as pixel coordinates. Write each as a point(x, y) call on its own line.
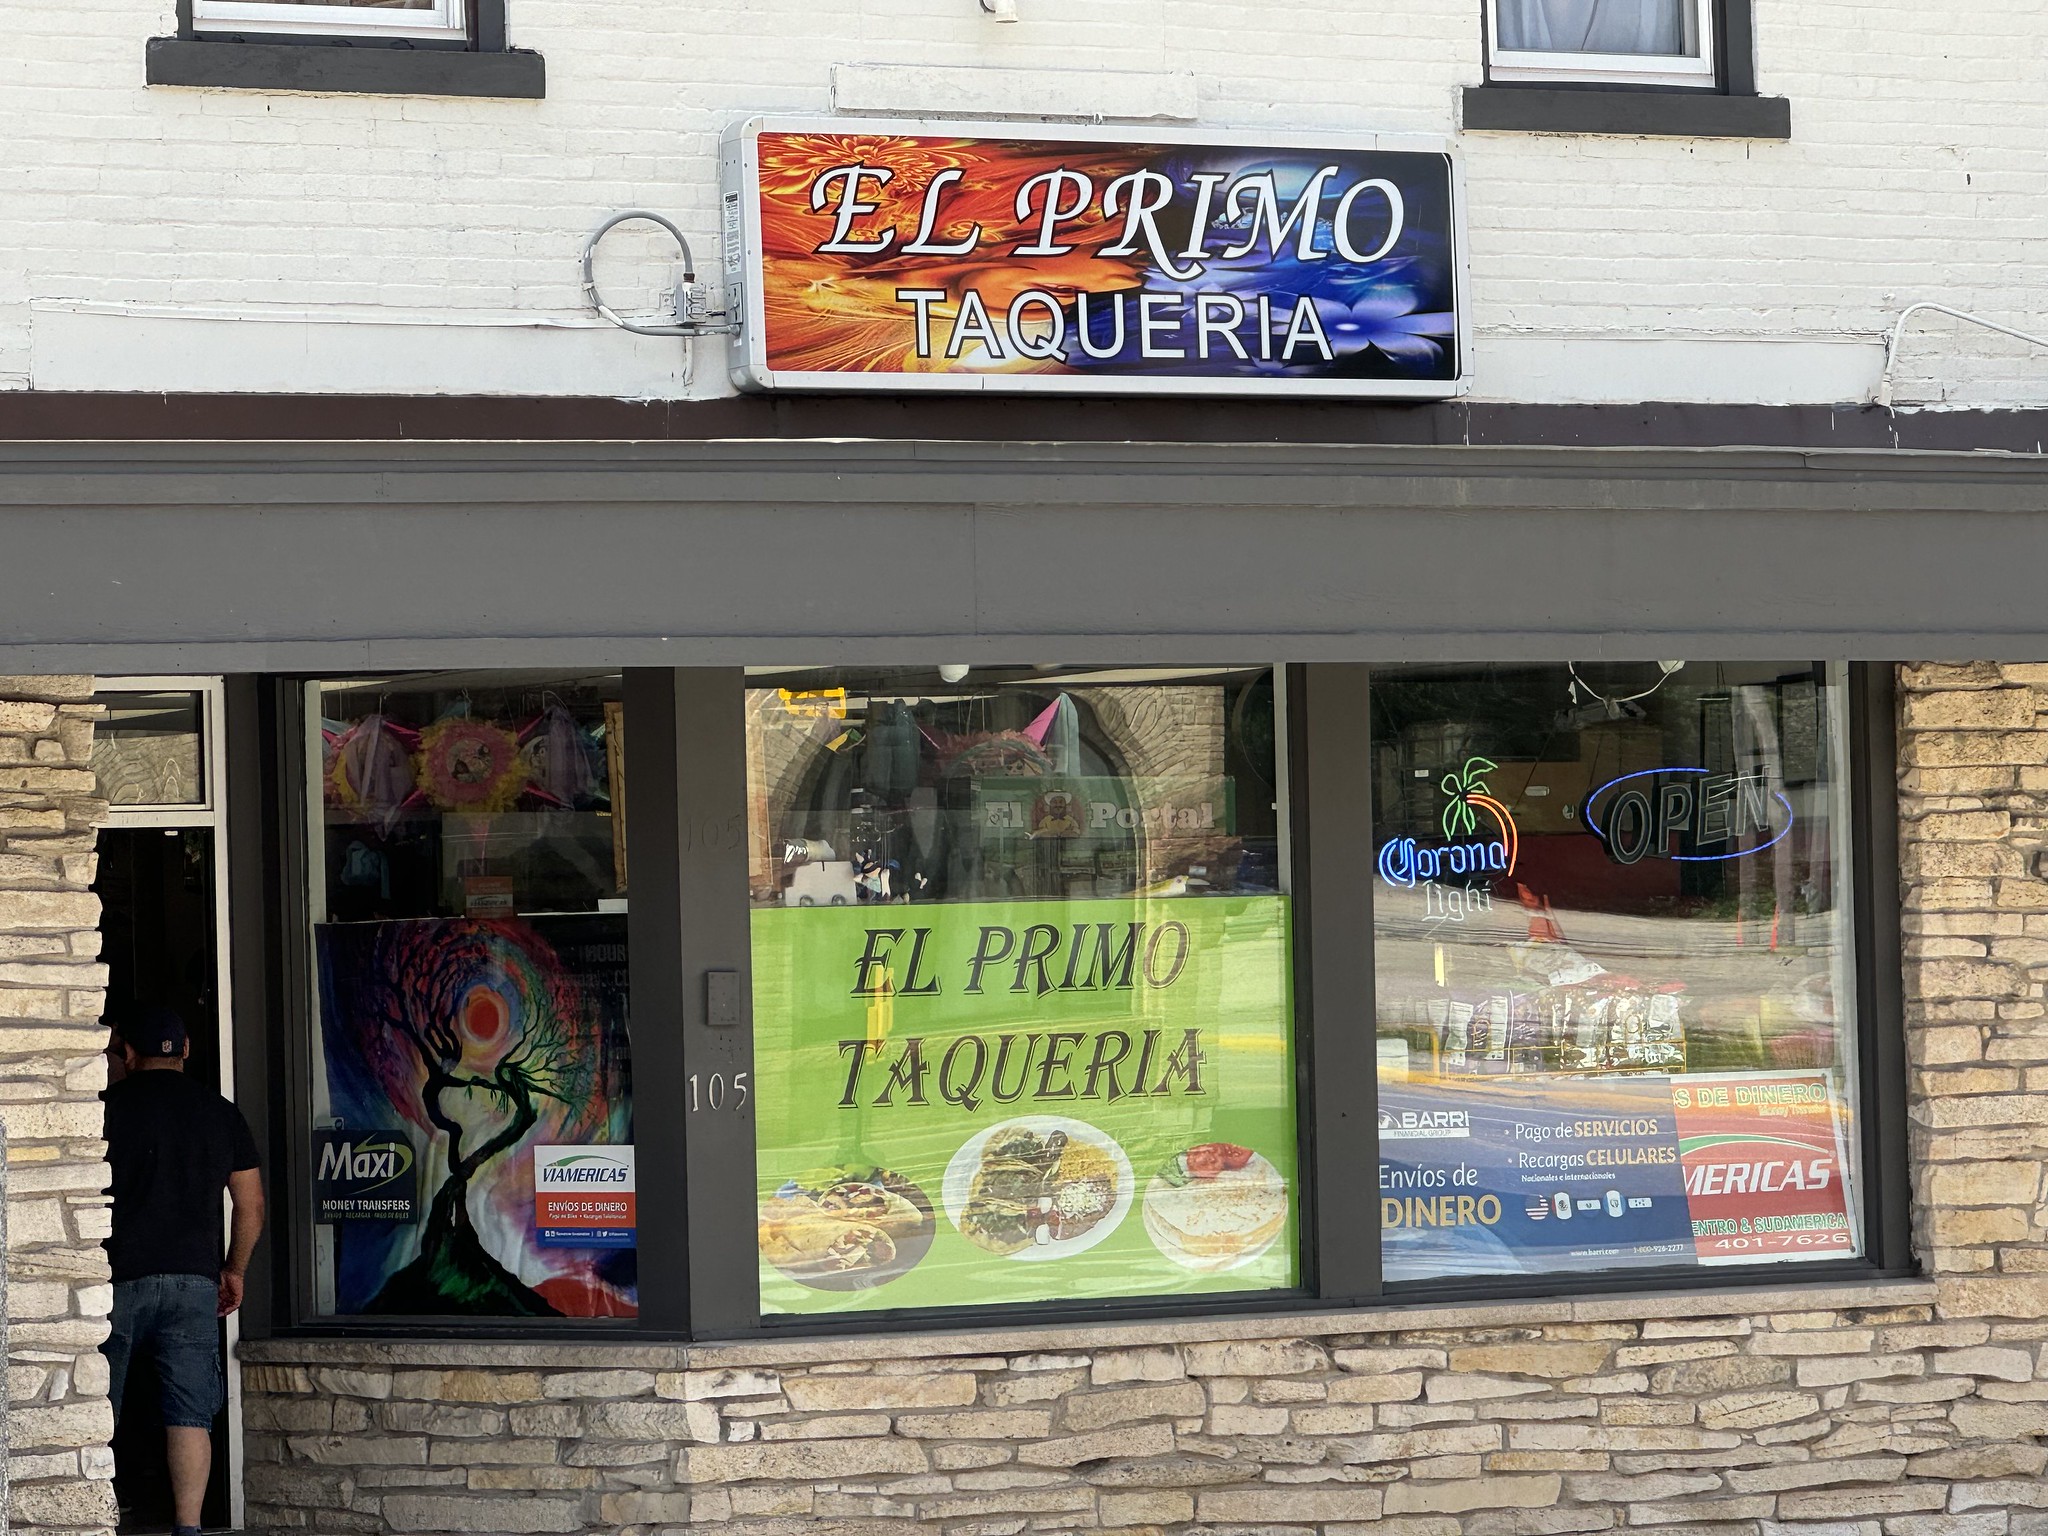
point(915, 255)
point(1470, 846)
point(1688, 815)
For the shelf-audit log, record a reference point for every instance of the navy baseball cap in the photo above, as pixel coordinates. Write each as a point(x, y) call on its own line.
point(154, 1032)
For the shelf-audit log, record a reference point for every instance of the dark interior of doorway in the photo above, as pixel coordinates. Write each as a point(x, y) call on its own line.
point(157, 936)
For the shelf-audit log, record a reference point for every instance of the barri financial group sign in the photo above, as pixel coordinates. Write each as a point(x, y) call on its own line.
point(920, 255)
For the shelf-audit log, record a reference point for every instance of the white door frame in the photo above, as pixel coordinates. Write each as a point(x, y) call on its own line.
point(210, 813)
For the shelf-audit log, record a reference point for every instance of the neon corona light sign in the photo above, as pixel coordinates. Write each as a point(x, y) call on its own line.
point(1700, 810)
point(1406, 862)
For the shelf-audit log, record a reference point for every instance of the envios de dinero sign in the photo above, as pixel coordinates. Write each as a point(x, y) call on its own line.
point(923, 255)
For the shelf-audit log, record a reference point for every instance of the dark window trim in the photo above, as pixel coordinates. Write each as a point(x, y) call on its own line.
point(1329, 737)
point(351, 66)
point(706, 800)
point(741, 1261)
point(255, 934)
point(1727, 109)
point(693, 916)
point(291, 1176)
point(1885, 1194)
point(654, 955)
point(479, 65)
point(1880, 984)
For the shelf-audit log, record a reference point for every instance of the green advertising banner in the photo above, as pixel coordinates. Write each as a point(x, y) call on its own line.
point(961, 1105)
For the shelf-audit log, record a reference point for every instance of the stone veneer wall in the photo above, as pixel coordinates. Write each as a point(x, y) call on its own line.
point(52, 1067)
point(1910, 1408)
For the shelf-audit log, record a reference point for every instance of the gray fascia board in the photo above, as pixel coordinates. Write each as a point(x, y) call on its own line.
point(209, 557)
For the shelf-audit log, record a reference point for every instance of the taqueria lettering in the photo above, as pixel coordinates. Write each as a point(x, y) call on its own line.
point(1038, 959)
point(970, 1070)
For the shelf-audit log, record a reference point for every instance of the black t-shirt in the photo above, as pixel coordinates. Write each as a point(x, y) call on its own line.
point(172, 1145)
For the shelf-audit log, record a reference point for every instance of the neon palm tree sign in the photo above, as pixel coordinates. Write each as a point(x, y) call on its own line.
point(1403, 861)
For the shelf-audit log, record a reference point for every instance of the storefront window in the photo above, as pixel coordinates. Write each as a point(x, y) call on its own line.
point(1613, 954)
point(146, 749)
point(472, 1139)
point(1021, 986)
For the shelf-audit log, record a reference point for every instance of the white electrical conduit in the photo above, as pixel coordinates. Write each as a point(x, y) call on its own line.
point(596, 301)
point(1891, 351)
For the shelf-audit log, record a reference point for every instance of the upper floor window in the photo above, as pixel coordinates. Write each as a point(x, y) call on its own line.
point(438, 19)
point(1624, 42)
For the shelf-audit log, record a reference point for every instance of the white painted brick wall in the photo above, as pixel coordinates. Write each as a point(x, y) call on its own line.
point(162, 238)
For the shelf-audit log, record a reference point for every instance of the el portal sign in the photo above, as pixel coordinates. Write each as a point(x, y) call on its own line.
point(923, 255)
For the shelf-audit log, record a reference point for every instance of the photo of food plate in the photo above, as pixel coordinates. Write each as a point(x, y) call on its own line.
point(846, 1228)
point(1215, 1206)
point(1037, 1188)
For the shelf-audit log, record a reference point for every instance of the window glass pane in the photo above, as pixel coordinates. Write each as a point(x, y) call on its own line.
point(146, 749)
point(472, 1135)
point(1021, 990)
point(1614, 957)
point(1643, 27)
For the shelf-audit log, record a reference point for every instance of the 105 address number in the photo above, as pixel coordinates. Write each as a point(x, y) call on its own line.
point(717, 1091)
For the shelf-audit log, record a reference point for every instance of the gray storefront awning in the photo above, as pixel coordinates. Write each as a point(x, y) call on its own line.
point(197, 557)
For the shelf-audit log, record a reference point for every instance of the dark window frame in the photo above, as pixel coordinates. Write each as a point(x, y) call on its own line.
point(1880, 1036)
point(1728, 107)
point(366, 63)
point(699, 1277)
point(740, 1260)
point(271, 929)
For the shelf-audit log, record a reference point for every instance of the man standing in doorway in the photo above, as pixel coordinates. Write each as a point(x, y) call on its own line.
point(174, 1146)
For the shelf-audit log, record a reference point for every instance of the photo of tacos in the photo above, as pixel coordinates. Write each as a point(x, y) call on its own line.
point(1037, 1188)
point(846, 1228)
point(1215, 1206)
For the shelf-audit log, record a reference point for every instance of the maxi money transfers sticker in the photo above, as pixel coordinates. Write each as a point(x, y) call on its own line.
point(364, 1176)
point(1536, 1175)
point(1023, 1101)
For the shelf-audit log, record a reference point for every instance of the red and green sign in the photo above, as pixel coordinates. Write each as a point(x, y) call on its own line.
point(1765, 1174)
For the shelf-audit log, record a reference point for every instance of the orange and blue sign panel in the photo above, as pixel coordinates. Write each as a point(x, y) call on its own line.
point(938, 256)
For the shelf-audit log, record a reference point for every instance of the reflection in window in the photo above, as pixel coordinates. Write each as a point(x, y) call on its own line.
point(1600, 26)
point(146, 749)
point(1021, 998)
point(472, 1108)
point(1011, 789)
point(1642, 42)
point(1613, 961)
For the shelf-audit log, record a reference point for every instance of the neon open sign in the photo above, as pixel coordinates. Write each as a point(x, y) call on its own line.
point(1688, 815)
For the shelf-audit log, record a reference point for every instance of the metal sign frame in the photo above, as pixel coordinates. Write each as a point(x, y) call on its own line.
point(742, 260)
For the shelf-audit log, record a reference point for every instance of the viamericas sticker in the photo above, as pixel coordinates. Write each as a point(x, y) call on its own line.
point(585, 1197)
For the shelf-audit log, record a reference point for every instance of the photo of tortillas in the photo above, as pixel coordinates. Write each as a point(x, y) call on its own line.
point(1215, 1206)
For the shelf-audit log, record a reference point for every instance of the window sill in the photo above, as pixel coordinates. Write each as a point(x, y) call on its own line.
point(984, 1335)
point(1633, 112)
point(369, 70)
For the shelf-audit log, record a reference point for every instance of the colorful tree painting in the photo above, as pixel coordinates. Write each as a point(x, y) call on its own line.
point(477, 1036)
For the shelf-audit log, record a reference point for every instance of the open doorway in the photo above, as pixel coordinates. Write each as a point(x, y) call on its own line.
point(163, 931)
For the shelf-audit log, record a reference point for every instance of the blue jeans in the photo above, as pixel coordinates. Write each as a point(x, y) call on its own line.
point(174, 1319)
